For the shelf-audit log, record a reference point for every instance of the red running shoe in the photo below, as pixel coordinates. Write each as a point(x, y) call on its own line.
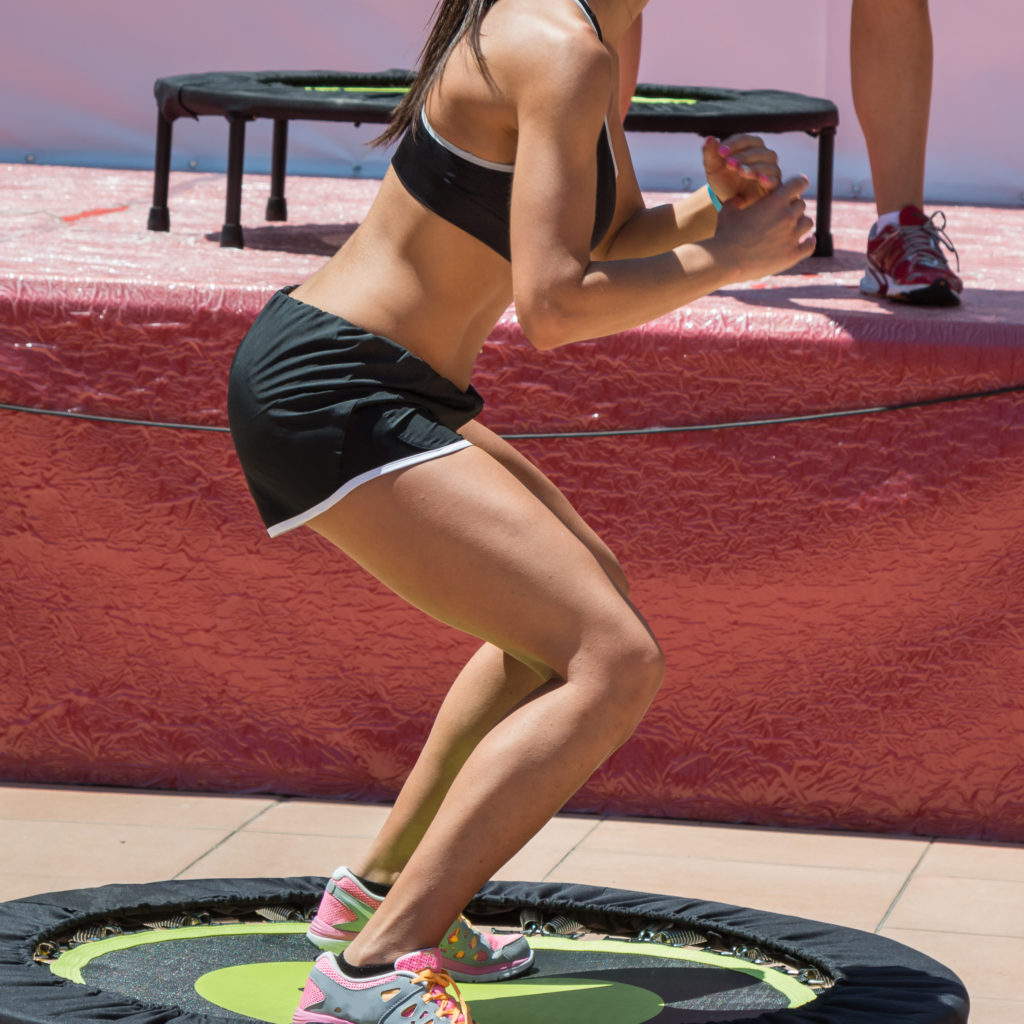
point(907, 264)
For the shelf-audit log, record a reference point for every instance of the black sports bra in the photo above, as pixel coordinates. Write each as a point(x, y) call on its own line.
point(476, 194)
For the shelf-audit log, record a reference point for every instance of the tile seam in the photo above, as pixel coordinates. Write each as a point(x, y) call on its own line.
point(234, 832)
point(903, 888)
point(573, 848)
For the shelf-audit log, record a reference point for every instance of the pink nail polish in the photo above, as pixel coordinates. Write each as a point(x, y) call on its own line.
point(723, 150)
point(733, 163)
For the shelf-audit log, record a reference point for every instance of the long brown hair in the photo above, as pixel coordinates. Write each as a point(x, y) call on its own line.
point(452, 20)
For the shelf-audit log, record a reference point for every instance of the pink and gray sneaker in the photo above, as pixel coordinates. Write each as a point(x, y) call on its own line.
point(466, 953)
point(416, 991)
point(907, 264)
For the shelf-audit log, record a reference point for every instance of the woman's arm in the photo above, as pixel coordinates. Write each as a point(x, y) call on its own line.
point(561, 293)
point(732, 165)
point(741, 168)
point(629, 63)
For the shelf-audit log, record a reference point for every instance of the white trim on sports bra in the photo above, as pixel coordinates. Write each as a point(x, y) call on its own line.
point(586, 13)
point(462, 153)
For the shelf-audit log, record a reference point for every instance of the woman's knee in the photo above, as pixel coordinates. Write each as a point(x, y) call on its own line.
point(645, 667)
point(629, 672)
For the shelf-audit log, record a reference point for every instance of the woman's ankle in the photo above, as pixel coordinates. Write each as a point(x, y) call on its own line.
point(375, 874)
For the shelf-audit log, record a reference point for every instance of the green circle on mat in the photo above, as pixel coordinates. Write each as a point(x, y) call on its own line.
point(269, 992)
point(568, 1000)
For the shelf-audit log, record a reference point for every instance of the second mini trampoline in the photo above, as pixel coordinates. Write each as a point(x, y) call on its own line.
point(234, 951)
point(358, 97)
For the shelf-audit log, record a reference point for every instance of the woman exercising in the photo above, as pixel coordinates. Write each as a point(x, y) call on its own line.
point(352, 412)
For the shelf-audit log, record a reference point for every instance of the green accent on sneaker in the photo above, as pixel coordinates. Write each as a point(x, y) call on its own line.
point(361, 910)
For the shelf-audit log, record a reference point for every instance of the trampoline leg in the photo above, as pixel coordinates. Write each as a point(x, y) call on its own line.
point(231, 231)
point(826, 148)
point(159, 214)
point(277, 207)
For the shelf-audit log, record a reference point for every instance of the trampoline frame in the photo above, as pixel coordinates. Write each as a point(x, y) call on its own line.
point(370, 98)
point(873, 978)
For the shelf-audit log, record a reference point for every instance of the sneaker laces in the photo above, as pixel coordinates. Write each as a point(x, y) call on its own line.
point(438, 983)
point(925, 241)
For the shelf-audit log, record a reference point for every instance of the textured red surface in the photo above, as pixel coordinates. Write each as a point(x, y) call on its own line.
point(838, 598)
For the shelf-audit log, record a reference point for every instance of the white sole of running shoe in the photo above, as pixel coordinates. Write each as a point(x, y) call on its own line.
point(337, 946)
point(937, 294)
point(328, 945)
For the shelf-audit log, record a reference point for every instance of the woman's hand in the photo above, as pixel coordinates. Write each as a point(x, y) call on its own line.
point(766, 235)
point(741, 167)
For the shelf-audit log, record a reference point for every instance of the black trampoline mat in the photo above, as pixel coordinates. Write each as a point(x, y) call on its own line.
point(119, 953)
point(257, 971)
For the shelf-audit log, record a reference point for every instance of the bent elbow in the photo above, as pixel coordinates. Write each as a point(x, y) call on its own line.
point(546, 324)
point(543, 335)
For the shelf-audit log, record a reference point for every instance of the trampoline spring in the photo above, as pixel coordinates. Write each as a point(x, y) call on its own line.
point(751, 954)
point(47, 952)
point(280, 912)
point(675, 937)
point(530, 921)
point(562, 926)
point(184, 920)
point(93, 933)
point(789, 965)
point(813, 978)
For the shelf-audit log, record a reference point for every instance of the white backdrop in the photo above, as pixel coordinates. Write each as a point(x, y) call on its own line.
point(76, 80)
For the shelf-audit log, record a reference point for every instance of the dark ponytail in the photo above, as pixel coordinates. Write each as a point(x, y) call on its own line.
point(452, 20)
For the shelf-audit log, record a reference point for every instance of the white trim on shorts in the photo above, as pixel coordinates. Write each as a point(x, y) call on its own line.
point(350, 485)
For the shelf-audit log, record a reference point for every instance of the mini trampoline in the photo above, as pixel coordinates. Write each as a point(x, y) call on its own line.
point(233, 951)
point(284, 96)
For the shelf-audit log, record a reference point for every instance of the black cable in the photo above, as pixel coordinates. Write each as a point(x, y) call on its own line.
point(111, 419)
point(625, 432)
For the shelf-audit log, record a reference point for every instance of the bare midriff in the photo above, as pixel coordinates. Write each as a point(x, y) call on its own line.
point(410, 276)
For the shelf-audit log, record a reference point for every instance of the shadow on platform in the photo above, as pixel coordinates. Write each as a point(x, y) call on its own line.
point(302, 239)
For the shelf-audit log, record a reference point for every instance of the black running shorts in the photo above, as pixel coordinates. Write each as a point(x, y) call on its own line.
point(318, 406)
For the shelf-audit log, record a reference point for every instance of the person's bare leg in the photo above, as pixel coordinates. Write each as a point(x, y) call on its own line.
point(465, 541)
point(891, 74)
point(491, 685)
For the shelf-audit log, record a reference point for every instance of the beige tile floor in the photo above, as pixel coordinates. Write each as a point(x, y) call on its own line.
point(960, 902)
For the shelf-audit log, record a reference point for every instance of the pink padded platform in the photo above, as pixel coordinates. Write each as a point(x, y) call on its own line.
point(839, 598)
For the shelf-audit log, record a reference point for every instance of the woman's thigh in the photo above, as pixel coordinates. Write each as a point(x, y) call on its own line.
point(466, 540)
point(534, 480)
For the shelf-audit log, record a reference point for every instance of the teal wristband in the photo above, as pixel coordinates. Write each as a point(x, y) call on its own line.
point(715, 201)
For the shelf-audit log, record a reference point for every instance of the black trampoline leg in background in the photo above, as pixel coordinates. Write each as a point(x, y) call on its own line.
point(823, 234)
point(159, 214)
point(231, 232)
point(277, 207)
